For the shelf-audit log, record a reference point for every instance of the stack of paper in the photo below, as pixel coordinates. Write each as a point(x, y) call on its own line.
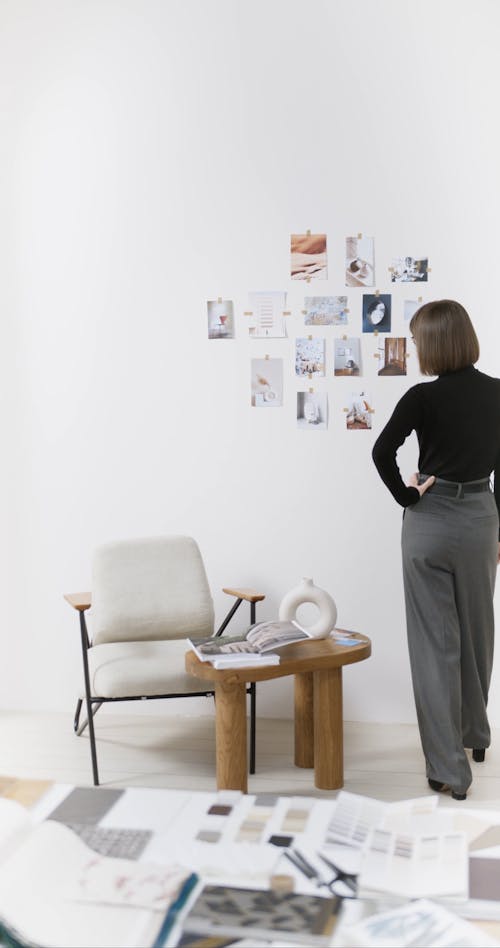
point(245, 660)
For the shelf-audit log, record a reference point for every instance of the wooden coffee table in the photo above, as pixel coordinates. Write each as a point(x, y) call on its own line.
point(317, 666)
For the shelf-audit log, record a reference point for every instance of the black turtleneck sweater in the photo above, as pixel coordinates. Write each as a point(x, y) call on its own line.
point(457, 422)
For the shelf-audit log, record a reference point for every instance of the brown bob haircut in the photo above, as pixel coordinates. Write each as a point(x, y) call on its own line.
point(445, 337)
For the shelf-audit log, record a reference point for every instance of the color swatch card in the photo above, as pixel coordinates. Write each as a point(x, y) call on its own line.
point(412, 867)
point(355, 816)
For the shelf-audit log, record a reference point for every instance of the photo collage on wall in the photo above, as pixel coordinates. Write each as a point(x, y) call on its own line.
point(379, 318)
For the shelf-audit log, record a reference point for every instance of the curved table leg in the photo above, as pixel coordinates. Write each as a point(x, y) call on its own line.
point(328, 729)
point(304, 720)
point(231, 736)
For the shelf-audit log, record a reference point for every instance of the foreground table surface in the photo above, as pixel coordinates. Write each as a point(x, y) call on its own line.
point(317, 666)
point(175, 818)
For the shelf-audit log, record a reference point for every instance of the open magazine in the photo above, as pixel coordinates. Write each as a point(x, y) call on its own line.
point(55, 891)
point(255, 647)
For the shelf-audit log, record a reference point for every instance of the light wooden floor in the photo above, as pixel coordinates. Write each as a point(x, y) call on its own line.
point(383, 761)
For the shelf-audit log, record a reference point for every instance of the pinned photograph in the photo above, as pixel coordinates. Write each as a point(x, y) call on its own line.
point(376, 312)
point(409, 270)
point(220, 319)
point(359, 261)
point(393, 356)
point(312, 410)
point(325, 310)
point(308, 257)
point(310, 357)
point(266, 318)
point(347, 357)
point(410, 308)
point(359, 412)
point(267, 383)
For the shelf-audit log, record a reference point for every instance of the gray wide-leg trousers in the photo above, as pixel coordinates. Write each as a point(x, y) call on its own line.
point(450, 550)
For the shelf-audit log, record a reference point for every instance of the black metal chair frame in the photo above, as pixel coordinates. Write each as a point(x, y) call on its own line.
point(93, 704)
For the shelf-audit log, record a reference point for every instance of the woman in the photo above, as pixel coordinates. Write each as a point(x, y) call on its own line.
point(449, 538)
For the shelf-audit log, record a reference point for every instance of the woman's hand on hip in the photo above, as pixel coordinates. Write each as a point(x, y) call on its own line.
point(413, 482)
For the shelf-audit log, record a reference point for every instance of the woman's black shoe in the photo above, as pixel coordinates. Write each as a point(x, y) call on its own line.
point(439, 787)
point(478, 754)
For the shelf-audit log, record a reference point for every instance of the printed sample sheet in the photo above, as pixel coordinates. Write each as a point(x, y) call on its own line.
point(355, 816)
point(225, 911)
point(421, 923)
point(411, 866)
point(204, 831)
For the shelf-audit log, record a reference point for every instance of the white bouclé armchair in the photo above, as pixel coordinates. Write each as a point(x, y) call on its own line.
point(148, 596)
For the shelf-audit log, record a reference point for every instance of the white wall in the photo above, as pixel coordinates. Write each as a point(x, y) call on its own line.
point(157, 154)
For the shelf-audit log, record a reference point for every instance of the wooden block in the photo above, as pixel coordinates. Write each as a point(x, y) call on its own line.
point(281, 883)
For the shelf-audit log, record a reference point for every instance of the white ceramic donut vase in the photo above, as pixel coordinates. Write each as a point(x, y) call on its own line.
point(306, 591)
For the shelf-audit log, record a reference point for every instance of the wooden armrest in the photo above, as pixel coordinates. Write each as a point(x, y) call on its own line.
point(249, 594)
point(79, 601)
